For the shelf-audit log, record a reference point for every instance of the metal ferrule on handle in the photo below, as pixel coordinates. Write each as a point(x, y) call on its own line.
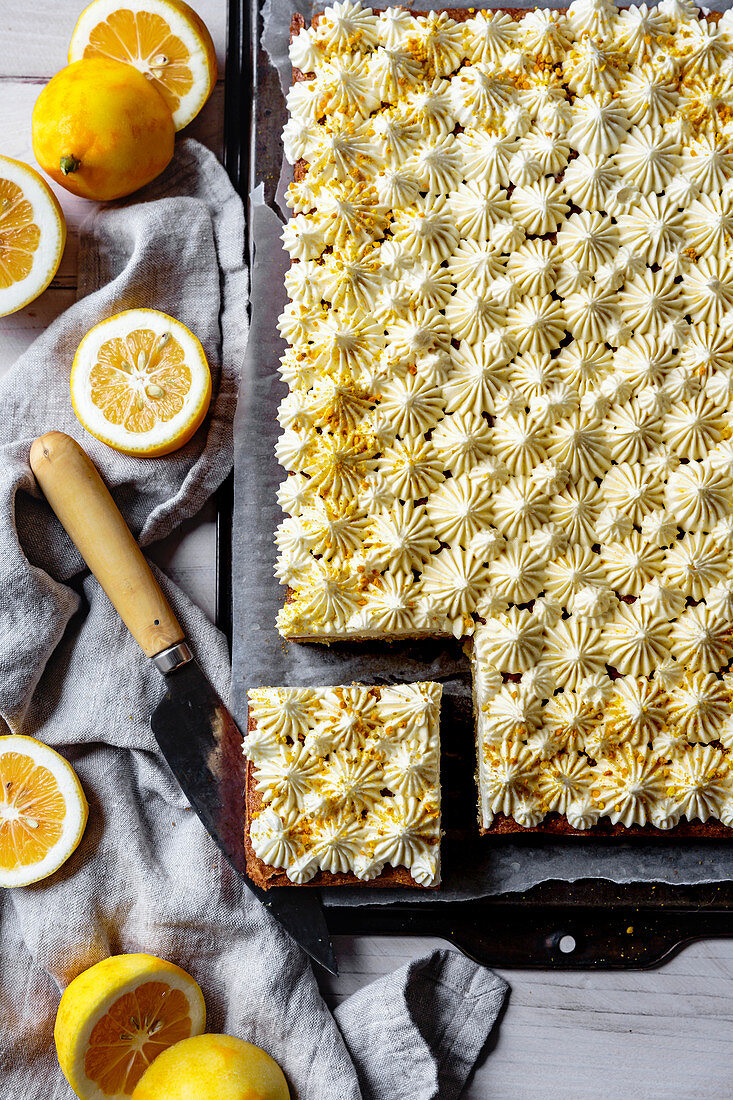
point(172, 658)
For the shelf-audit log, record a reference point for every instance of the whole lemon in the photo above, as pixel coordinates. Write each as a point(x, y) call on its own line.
point(213, 1067)
point(101, 130)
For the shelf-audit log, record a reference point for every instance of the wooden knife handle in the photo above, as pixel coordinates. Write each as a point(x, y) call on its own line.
point(72, 486)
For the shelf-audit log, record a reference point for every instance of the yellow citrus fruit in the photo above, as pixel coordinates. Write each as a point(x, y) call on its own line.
point(101, 130)
point(140, 383)
point(43, 810)
point(32, 235)
point(164, 39)
point(213, 1067)
point(119, 1015)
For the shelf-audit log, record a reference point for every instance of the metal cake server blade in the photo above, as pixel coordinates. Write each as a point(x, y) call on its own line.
point(192, 726)
point(203, 746)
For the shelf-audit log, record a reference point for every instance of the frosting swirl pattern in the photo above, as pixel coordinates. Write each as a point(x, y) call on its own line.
point(511, 376)
point(353, 783)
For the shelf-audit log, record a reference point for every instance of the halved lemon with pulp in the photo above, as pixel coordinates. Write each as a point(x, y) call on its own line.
point(43, 810)
point(119, 1015)
point(140, 383)
point(165, 39)
point(32, 235)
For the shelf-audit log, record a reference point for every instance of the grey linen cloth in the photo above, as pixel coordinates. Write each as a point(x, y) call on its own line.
point(146, 876)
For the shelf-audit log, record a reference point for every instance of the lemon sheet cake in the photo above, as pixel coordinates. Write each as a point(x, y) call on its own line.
point(343, 785)
point(510, 374)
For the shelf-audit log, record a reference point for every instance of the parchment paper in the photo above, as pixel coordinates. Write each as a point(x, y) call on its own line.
point(261, 657)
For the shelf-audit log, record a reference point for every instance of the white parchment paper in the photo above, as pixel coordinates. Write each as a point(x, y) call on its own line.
point(472, 866)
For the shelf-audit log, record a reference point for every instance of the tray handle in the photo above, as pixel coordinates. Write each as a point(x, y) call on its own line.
point(542, 937)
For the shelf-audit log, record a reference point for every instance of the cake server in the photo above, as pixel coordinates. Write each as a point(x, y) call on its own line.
point(195, 731)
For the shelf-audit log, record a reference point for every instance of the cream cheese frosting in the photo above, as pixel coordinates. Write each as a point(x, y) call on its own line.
point(642, 757)
point(511, 360)
point(346, 780)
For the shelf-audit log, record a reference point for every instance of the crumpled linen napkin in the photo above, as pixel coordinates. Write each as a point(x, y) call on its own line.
point(146, 876)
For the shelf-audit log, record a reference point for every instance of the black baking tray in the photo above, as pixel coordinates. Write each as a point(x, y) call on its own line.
point(591, 923)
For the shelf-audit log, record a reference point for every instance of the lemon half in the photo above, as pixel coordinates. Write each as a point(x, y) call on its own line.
point(164, 39)
point(117, 1017)
point(43, 811)
point(32, 235)
point(140, 383)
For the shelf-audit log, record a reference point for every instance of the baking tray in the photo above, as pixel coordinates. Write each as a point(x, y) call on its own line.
point(590, 923)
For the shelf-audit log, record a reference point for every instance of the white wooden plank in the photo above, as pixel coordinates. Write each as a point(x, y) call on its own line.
point(35, 37)
point(18, 331)
point(589, 1035)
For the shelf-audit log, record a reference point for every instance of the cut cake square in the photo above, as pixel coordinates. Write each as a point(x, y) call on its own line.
point(343, 786)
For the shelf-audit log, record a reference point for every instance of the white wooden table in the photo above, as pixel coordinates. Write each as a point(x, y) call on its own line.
point(565, 1036)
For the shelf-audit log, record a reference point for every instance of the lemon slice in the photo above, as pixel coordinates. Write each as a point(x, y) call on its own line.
point(32, 235)
point(165, 39)
point(43, 810)
point(119, 1015)
point(140, 383)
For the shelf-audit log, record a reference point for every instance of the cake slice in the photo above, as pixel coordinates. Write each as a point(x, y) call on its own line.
point(343, 786)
